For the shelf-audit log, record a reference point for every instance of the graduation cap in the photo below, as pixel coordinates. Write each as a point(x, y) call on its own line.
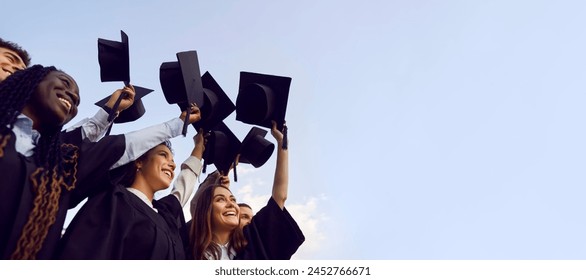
point(181, 82)
point(216, 105)
point(114, 60)
point(256, 149)
point(222, 147)
point(261, 99)
point(135, 111)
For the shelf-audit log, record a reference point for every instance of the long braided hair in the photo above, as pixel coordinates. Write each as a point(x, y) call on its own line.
point(56, 162)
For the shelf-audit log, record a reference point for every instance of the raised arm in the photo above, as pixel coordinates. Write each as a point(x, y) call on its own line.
point(140, 141)
point(95, 127)
point(281, 181)
point(190, 171)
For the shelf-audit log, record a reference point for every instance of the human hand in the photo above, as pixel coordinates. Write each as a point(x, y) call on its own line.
point(126, 101)
point(224, 180)
point(194, 114)
point(278, 135)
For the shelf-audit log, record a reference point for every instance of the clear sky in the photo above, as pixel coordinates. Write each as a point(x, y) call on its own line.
point(418, 129)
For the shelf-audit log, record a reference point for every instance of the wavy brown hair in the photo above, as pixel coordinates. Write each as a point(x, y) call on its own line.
point(200, 233)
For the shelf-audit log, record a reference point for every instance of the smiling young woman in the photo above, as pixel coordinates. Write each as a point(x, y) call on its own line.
point(125, 221)
point(272, 234)
point(47, 176)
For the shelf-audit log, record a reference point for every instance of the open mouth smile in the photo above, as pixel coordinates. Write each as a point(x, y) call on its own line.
point(168, 173)
point(229, 213)
point(66, 103)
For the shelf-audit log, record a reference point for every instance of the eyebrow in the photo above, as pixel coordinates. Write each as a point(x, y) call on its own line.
point(222, 195)
point(63, 75)
point(67, 77)
point(167, 153)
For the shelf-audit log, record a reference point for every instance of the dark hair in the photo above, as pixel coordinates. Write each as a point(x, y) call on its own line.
point(200, 233)
point(23, 54)
point(210, 180)
point(242, 204)
point(56, 162)
point(129, 169)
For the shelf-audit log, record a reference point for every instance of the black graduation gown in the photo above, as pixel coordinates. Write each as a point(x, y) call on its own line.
point(17, 194)
point(272, 235)
point(116, 224)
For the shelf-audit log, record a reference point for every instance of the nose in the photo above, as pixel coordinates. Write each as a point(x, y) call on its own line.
point(172, 165)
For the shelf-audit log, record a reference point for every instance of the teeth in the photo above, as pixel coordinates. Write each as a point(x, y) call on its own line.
point(167, 173)
point(67, 104)
point(230, 214)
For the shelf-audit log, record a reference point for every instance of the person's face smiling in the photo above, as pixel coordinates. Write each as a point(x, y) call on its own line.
point(55, 101)
point(225, 210)
point(10, 62)
point(159, 167)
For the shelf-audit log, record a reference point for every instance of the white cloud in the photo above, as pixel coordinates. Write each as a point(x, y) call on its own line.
point(310, 219)
point(307, 214)
point(245, 169)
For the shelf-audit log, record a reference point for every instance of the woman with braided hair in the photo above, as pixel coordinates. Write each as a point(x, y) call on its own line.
point(36, 190)
point(48, 176)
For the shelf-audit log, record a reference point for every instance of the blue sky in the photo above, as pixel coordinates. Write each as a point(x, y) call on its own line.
point(418, 129)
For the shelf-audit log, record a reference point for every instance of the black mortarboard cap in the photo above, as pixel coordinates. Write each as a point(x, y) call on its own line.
point(135, 111)
point(256, 149)
point(222, 147)
point(261, 99)
point(217, 105)
point(114, 59)
point(181, 82)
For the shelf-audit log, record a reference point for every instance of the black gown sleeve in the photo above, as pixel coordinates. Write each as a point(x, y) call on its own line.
point(272, 235)
point(99, 229)
point(95, 160)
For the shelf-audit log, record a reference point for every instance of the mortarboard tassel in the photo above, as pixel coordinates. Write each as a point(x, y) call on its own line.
point(284, 137)
point(186, 123)
point(113, 113)
point(235, 176)
point(109, 129)
point(204, 168)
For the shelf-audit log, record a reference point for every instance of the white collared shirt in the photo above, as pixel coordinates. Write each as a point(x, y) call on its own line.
point(142, 197)
point(93, 128)
point(26, 137)
point(223, 251)
point(137, 142)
